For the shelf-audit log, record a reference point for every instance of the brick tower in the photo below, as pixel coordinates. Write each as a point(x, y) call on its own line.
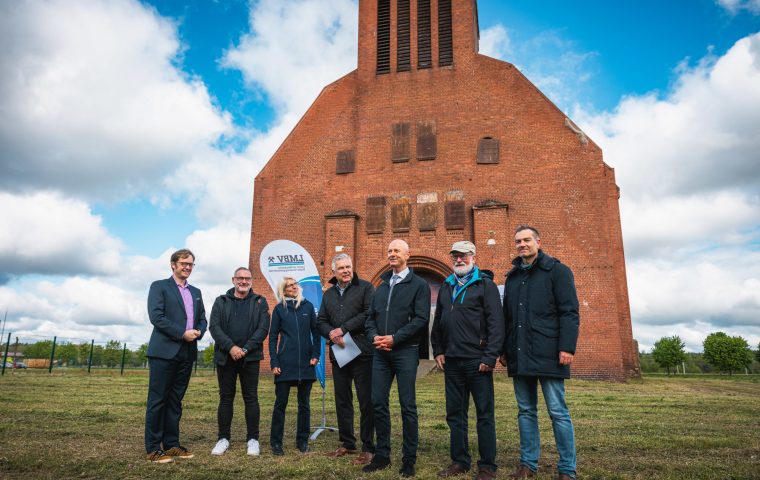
point(430, 141)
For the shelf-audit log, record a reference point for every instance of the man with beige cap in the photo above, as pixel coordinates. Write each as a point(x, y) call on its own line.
point(467, 336)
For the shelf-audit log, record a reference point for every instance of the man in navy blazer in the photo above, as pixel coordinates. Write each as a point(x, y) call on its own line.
point(175, 309)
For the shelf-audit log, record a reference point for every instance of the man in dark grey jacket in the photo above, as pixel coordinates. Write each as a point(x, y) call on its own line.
point(541, 316)
point(239, 324)
point(399, 314)
point(344, 311)
point(467, 337)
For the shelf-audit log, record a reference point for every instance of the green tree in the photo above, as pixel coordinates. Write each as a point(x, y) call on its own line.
point(208, 354)
point(728, 354)
point(757, 353)
point(67, 353)
point(669, 352)
point(112, 353)
point(39, 349)
point(141, 354)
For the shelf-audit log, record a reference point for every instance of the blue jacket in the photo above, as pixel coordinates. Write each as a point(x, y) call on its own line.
point(166, 312)
point(296, 331)
point(472, 324)
point(541, 317)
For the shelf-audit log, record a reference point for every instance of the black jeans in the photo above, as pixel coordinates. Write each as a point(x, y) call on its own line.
point(281, 394)
point(227, 375)
point(167, 384)
point(462, 378)
point(401, 364)
point(358, 371)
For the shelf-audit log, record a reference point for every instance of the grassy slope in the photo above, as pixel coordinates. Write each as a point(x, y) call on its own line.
point(71, 425)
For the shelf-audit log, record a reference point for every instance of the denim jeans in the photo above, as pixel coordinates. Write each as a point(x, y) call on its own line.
point(462, 379)
point(281, 394)
point(527, 420)
point(401, 364)
point(227, 376)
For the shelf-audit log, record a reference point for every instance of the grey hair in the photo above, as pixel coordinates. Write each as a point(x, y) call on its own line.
point(522, 227)
point(341, 256)
point(241, 268)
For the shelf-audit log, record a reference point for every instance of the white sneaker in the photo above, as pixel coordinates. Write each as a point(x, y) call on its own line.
point(253, 447)
point(221, 446)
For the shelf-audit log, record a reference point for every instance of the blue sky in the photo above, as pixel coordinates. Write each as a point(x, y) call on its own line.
point(141, 129)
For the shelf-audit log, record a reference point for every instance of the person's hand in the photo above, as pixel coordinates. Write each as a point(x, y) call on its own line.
point(384, 342)
point(336, 336)
point(565, 358)
point(485, 368)
point(236, 353)
point(313, 361)
point(503, 360)
point(191, 335)
point(440, 360)
point(276, 370)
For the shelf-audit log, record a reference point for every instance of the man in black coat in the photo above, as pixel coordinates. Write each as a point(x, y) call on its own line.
point(541, 317)
point(399, 313)
point(239, 325)
point(467, 337)
point(344, 311)
point(175, 308)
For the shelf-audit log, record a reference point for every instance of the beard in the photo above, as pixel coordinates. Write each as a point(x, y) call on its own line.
point(463, 269)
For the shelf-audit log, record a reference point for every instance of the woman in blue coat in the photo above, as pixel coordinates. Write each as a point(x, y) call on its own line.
point(293, 351)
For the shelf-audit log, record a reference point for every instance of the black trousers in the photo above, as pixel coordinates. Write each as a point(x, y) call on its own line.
point(167, 384)
point(463, 379)
point(281, 394)
point(227, 375)
point(401, 364)
point(358, 371)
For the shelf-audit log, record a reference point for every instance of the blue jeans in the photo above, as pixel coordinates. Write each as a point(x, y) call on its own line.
point(527, 420)
point(462, 381)
point(401, 364)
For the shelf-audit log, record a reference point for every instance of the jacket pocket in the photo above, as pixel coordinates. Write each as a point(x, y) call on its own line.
point(545, 341)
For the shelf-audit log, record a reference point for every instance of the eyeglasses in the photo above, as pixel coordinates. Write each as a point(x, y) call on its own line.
point(289, 285)
point(186, 264)
point(457, 255)
point(243, 279)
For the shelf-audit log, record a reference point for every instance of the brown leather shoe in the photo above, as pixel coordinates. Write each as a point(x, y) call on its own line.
point(363, 458)
point(485, 474)
point(522, 472)
point(340, 452)
point(452, 470)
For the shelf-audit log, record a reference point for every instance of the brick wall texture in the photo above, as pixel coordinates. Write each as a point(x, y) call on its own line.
point(548, 175)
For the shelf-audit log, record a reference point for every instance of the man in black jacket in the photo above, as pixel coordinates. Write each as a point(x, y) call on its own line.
point(344, 310)
point(467, 337)
point(239, 325)
point(541, 316)
point(399, 313)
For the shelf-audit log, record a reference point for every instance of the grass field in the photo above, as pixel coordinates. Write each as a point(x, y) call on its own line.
point(71, 425)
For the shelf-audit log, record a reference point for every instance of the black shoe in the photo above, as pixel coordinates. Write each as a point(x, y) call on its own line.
point(277, 450)
point(407, 470)
point(377, 463)
point(303, 448)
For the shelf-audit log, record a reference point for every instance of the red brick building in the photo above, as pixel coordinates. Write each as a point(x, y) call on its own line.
point(429, 141)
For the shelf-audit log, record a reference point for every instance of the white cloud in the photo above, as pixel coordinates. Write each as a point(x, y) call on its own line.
point(735, 6)
point(92, 102)
point(495, 42)
point(687, 166)
point(295, 48)
point(46, 233)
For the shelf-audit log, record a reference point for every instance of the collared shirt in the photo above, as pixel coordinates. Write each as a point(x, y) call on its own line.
point(402, 274)
point(187, 300)
point(341, 289)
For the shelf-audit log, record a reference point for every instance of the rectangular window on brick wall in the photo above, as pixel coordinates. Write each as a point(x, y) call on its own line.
point(383, 36)
point(445, 40)
point(424, 55)
point(427, 211)
point(401, 142)
point(403, 53)
point(454, 215)
point(427, 147)
point(488, 150)
point(375, 214)
point(401, 214)
point(344, 162)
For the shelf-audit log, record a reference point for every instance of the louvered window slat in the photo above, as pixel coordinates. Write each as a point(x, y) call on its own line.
point(383, 36)
point(424, 56)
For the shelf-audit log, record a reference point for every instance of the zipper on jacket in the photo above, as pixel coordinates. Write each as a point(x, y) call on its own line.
point(298, 336)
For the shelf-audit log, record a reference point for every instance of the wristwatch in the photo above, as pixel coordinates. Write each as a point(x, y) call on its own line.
point(245, 351)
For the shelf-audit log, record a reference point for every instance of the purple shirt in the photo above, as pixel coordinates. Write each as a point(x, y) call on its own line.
point(187, 299)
